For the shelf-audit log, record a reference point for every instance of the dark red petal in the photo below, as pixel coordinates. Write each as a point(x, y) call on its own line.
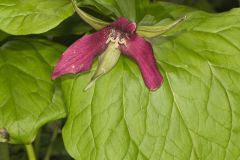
point(131, 27)
point(142, 53)
point(79, 56)
point(124, 25)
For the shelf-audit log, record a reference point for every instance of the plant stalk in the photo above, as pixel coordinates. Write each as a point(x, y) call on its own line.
point(4, 152)
point(30, 152)
point(37, 143)
point(50, 147)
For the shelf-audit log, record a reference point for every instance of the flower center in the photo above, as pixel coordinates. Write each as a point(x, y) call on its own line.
point(117, 38)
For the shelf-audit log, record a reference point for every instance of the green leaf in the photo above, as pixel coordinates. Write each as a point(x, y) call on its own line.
point(194, 115)
point(32, 16)
point(28, 97)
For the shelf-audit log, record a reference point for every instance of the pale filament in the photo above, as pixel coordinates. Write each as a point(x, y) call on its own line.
point(116, 40)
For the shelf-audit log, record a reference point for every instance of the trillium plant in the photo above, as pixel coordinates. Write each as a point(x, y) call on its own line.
point(119, 80)
point(114, 39)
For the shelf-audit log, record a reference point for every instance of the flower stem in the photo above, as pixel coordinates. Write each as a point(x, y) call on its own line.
point(50, 147)
point(30, 152)
point(4, 152)
point(37, 143)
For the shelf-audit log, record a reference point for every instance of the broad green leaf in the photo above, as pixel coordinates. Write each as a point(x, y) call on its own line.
point(32, 16)
point(28, 97)
point(194, 115)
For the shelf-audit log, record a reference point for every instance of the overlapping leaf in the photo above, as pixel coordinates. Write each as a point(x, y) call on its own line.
point(32, 16)
point(28, 97)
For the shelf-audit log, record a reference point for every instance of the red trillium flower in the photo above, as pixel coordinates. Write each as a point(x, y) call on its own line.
point(108, 44)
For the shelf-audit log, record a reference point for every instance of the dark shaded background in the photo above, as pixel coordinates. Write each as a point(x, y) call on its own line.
point(208, 5)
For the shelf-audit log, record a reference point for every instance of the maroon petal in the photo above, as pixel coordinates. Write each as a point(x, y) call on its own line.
point(131, 27)
point(79, 56)
point(124, 25)
point(142, 53)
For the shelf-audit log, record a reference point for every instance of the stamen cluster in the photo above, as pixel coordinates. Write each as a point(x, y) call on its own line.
point(118, 38)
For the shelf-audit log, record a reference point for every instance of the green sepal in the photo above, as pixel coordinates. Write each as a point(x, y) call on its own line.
point(153, 31)
point(106, 61)
point(92, 21)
